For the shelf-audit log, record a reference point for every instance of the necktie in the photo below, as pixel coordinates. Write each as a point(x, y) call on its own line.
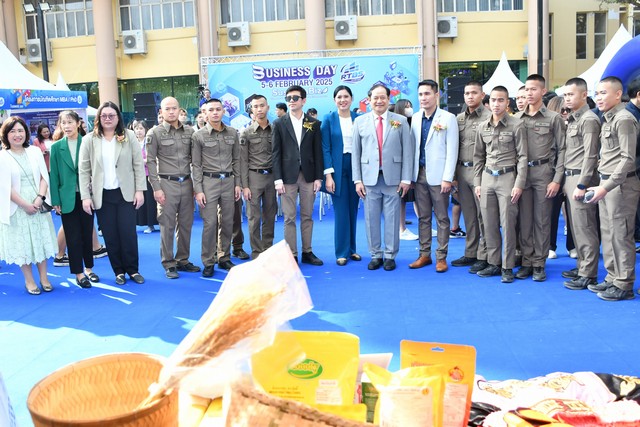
point(379, 134)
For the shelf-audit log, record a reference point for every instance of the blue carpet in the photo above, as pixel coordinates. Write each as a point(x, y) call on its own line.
point(520, 330)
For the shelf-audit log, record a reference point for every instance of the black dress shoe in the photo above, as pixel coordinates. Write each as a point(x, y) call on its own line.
point(539, 275)
point(83, 282)
point(188, 267)
point(240, 254)
point(137, 277)
point(226, 265)
point(463, 261)
point(580, 283)
point(490, 270)
point(375, 264)
point(389, 264)
point(93, 277)
point(356, 257)
point(570, 274)
point(208, 271)
point(310, 258)
point(120, 279)
point(507, 275)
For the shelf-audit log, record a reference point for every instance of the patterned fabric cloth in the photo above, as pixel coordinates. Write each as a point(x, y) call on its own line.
point(29, 238)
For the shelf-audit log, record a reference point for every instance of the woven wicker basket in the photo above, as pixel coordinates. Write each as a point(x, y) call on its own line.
point(102, 391)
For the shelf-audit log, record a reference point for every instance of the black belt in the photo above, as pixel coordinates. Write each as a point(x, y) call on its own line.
point(538, 162)
point(501, 171)
point(175, 178)
point(222, 175)
point(262, 171)
point(572, 172)
point(465, 164)
point(605, 177)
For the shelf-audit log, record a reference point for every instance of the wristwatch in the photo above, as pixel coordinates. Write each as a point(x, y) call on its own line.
point(42, 197)
point(581, 187)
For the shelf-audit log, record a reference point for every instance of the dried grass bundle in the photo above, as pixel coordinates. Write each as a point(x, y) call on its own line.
point(242, 319)
point(255, 299)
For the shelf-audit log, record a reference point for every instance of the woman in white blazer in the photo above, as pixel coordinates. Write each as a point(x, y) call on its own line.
point(112, 181)
point(27, 236)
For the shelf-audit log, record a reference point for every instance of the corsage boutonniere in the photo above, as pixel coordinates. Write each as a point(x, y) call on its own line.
point(394, 124)
point(308, 126)
point(438, 127)
point(120, 138)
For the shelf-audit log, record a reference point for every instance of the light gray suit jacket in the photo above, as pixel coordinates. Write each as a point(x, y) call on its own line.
point(441, 148)
point(129, 168)
point(397, 151)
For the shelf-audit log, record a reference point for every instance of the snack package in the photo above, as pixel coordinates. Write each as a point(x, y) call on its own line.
point(310, 367)
point(213, 417)
point(411, 397)
point(192, 409)
point(459, 365)
point(365, 391)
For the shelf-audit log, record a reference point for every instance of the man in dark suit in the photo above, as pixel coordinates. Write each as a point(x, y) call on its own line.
point(297, 169)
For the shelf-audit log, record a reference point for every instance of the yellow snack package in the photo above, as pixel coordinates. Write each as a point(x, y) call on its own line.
point(310, 367)
point(213, 417)
point(459, 366)
point(410, 397)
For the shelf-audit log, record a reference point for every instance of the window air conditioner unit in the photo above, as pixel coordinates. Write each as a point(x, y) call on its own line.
point(345, 27)
point(134, 42)
point(238, 34)
point(447, 27)
point(34, 53)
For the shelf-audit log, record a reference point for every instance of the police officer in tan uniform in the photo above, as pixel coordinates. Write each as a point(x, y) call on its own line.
point(469, 121)
point(617, 192)
point(257, 177)
point(545, 142)
point(580, 170)
point(500, 167)
point(169, 164)
point(216, 181)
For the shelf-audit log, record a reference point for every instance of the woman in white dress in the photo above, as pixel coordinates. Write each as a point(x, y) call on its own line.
point(26, 236)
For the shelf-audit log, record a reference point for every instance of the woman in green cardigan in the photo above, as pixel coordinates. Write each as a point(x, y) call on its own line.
point(65, 198)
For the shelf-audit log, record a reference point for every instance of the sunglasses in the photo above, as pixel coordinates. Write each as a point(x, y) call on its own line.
point(293, 98)
point(565, 110)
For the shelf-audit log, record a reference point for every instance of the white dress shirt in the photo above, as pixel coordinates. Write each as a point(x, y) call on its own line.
point(109, 164)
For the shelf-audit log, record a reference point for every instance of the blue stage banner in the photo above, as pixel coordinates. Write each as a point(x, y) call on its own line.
point(235, 84)
point(19, 99)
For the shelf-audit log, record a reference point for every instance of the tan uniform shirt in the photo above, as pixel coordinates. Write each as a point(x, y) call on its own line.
point(545, 138)
point(468, 125)
point(168, 152)
point(617, 146)
point(255, 150)
point(501, 146)
point(215, 152)
point(583, 133)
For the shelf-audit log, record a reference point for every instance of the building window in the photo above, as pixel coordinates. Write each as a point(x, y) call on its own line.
point(368, 7)
point(478, 5)
point(156, 14)
point(636, 26)
point(599, 33)
point(581, 36)
point(260, 10)
point(67, 18)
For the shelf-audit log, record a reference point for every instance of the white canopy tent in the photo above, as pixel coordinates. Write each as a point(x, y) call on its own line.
point(503, 76)
point(15, 76)
point(593, 75)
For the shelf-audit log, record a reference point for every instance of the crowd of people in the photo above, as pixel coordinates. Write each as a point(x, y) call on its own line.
point(511, 172)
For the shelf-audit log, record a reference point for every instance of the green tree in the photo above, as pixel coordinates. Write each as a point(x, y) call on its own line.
point(635, 3)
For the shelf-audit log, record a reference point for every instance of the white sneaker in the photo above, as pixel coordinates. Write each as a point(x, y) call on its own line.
point(573, 254)
point(408, 235)
point(552, 255)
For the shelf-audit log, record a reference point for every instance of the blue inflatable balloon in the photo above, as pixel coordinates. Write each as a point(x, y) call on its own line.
point(625, 64)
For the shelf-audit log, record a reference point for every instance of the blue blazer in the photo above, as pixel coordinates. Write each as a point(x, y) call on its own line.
point(332, 146)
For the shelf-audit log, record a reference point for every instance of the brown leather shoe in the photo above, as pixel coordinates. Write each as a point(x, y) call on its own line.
point(421, 262)
point(441, 266)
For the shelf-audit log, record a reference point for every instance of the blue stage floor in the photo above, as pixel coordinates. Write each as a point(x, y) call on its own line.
point(520, 330)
